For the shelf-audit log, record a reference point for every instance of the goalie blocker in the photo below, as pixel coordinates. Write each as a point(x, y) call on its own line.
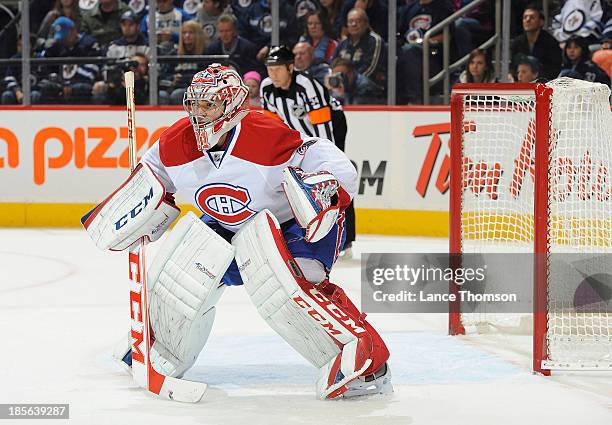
point(140, 207)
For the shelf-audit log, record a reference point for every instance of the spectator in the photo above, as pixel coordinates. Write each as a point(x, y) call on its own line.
point(415, 20)
point(474, 28)
point(479, 68)
point(168, 21)
point(141, 72)
point(351, 87)
point(307, 63)
point(131, 41)
point(516, 14)
point(102, 22)
point(603, 56)
point(317, 35)
point(536, 42)
point(208, 14)
point(577, 62)
point(253, 79)
point(38, 11)
point(376, 10)
point(11, 84)
point(258, 25)
point(11, 91)
point(527, 69)
point(240, 50)
point(15, 70)
point(331, 13)
point(193, 41)
point(112, 91)
point(75, 80)
point(67, 8)
point(239, 10)
point(607, 23)
point(364, 48)
point(579, 18)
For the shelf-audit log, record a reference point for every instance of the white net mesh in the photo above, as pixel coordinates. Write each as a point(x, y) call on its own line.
point(497, 203)
point(580, 210)
point(497, 206)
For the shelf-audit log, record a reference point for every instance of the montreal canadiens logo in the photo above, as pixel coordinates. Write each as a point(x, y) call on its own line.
point(225, 203)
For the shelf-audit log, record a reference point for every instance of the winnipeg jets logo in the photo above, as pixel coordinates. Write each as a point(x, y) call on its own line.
point(574, 21)
point(226, 203)
point(87, 4)
point(265, 24)
point(191, 6)
point(69, 71)
point(137, 5)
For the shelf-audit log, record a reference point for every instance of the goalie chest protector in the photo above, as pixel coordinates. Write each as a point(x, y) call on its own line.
point(235, 183)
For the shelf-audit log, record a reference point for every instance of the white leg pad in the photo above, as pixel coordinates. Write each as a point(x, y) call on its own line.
point(295, 309)
point(184, 286)
point(166, 362)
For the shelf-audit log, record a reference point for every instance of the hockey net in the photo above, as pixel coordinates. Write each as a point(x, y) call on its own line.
point(530, 174)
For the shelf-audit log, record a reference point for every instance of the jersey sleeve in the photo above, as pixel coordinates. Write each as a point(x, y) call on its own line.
point(317, 154)
point(376, 54)
point(152, 159)
point(319, 107)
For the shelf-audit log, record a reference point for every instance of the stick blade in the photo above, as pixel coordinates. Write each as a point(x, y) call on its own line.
point(182, 390)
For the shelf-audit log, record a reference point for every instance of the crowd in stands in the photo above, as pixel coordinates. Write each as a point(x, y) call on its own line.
point(341, 43)
point(565, 51)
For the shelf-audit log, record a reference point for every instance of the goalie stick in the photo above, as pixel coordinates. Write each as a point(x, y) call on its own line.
point(140, 333)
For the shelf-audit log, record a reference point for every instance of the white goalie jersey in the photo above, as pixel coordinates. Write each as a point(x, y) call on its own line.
point(233, 184)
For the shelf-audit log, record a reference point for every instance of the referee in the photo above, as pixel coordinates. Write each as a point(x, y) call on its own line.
point(306, 106)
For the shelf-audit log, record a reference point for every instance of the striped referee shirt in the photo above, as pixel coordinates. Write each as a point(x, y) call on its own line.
point(306, 106)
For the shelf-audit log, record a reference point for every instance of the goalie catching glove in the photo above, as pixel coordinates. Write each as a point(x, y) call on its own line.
point(140, 207)
point(313, 199)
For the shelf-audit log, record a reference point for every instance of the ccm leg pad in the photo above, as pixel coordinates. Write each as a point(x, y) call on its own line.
point(306, 318)
point(184, 286)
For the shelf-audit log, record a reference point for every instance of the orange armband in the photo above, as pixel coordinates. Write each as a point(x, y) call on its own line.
point(320, 116)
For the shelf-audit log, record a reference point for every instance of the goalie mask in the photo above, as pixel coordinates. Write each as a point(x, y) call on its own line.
point(215, 103)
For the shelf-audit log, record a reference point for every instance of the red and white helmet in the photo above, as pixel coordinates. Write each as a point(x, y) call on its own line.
point(219, 88)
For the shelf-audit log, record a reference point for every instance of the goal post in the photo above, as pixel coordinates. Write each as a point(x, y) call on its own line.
point(531, 169)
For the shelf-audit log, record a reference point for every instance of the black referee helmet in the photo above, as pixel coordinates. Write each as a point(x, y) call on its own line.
point(279, 55)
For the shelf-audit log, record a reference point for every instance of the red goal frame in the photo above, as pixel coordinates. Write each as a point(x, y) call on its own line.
point(543, 97)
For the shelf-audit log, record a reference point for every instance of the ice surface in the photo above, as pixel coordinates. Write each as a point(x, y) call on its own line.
point(63, 305)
